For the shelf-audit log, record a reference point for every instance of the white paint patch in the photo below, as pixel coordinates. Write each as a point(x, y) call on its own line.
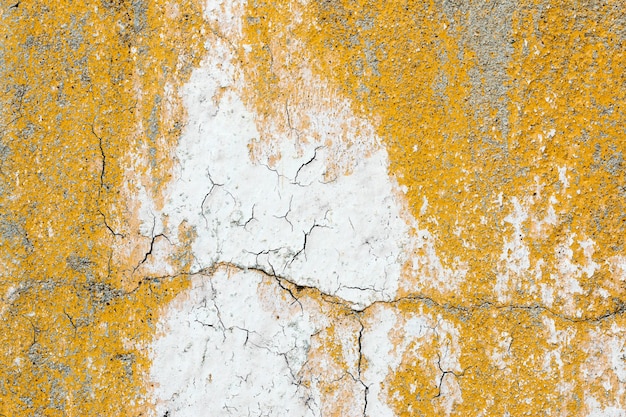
point(547, 295)
point(391, 336)
point(378, 349)
point(617, 267)
point(221, 351)
point(515, 257)
point(567, 279)
point(617, 351)
point(590, 266)
point(501, 353)
point(424, 206)
point(517, 272)
point(230, 352)
point(563, 177)
point(428, 270)
point(317, 212)
point(596, 409)
point(151, 224)
point(345, 236)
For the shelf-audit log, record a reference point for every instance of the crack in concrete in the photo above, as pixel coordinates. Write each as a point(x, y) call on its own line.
point(366, 387)
point(295, 178)
point(284, 216)
point(291, 128)
point(106, 224)
point(444, 373)
point(152, 241)
point(293, 288)
point(102, 155)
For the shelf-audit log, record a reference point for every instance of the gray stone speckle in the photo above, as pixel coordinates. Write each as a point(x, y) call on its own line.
point(487, 31)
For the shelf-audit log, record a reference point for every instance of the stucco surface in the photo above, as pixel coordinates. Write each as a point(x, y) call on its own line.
point(313, 208)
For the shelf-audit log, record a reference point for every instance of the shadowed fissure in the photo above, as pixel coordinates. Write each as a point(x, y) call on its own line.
point(312, 208)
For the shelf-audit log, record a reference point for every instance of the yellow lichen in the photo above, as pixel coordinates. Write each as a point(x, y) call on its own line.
point(90, 111)
point(521, 188)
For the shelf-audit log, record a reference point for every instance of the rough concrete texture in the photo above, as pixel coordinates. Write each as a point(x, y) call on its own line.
point(312, 208)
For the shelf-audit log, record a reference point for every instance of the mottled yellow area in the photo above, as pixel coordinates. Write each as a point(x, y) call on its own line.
point(90, 113)
point(333, 363)
point(411, 68)
point(523, 361)
point(505, 123)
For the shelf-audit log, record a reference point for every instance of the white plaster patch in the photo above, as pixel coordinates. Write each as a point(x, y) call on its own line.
point(501, 353)
point(517, 272)
point(567, 279)
point(430, 272)
point(547, 295)
point(377, 346)
point(220, 352)
point(226, 351)
point(590, 266)
point(515, 257)
point(386, 340)
point(563, 177)
point(223, 351)
point(345, 236)
point(596, 409)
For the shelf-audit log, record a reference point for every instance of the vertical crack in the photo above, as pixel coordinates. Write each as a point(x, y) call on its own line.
point(102, 154)
point(106, 224)
point(284, 216)
point(360, 364)
point(295, 178)
point(152, 241)
point(291, 128)
point(444, 373)
point(302, 250)
point(245, 224)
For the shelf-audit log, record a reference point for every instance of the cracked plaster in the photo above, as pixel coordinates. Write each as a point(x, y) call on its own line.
point(312, 208)
point(270, 207)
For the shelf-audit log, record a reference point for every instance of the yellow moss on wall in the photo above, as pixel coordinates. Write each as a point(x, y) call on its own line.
point(90, 112)
point(414, 70)
point(504, 122)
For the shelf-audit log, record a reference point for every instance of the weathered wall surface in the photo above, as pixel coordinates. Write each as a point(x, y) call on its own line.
point(312, 208)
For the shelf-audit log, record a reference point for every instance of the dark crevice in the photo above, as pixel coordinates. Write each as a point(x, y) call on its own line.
point(152, 241)
point(295, 178)
point(106, 224)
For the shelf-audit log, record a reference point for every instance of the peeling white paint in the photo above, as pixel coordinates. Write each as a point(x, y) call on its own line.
point(346, 237)
point(567, 279)
point(596, 409)
point(322, 215)
point(231, 353)
point(428, 269)
point(515, 255)
point(501, 353)
point(220, 352)
point(563, 177)
point(377, 347)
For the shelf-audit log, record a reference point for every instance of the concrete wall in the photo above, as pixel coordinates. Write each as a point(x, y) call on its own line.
point(312, 208)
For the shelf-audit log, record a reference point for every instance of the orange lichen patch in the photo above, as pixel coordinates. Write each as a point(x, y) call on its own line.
point(567, 133)
point(425, 355)
point(516, 361)
point(88, 94)
point(293, 101)
point(508, 175)
point(504, 121)
point(333, 362)
point(332, 367)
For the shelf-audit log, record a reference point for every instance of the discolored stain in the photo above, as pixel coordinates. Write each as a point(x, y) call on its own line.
point(77, 109)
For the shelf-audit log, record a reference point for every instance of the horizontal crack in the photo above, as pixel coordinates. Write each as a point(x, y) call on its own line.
point(293, 288)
